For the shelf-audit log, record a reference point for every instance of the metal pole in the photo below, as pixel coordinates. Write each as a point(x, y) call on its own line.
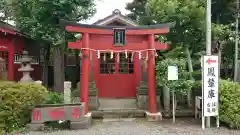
point(236, 45)
point(209, 28)
point(208, 38)
point(203, 118)
point(173, 102)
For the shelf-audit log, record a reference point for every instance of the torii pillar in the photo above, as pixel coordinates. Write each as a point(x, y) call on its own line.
point(151, 76)
point(85, 72)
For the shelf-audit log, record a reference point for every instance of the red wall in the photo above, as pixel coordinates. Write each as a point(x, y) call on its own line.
point(116, 85)
point(36, 74)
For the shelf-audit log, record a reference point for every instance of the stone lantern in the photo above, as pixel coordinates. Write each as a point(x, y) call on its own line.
point(25, 67)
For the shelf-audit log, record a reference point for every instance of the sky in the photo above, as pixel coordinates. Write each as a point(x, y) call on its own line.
point(105, 8)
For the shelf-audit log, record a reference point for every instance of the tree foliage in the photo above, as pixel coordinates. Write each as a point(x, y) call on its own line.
point(137, 11)
point(183, 84)
point(40, 18)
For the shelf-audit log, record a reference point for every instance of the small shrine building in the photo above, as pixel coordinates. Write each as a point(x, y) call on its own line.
point(12, 43)
point(115, 53)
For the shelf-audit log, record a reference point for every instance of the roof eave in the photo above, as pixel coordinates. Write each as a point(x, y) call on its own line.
point(65, 23)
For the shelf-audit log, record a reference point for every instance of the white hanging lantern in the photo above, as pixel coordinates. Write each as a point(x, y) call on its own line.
point(104, 57)
point(146, 55)
point(139, 55)
point(80, 54)
point(118, 58)
point(156, 54)
point(98, 54)
point(126, 54)
point(111, 55)
point(132, 56)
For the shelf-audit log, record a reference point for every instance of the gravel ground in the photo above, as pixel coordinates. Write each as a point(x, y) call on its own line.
point(142, 127)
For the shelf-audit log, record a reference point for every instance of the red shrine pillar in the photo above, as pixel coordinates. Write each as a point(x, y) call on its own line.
point(151, 76)
point(10, 65)
point(85, 72)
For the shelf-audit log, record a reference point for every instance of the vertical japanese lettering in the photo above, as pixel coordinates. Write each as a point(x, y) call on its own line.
point(210, 80)
point(211, 93)
point(211, 71)
point(76, 114)
point(36, 115)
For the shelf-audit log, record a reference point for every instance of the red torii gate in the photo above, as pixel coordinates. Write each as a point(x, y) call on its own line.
point(145, 33)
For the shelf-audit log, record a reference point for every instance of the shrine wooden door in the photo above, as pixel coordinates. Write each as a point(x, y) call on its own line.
point(116, 76)
point(3, 65)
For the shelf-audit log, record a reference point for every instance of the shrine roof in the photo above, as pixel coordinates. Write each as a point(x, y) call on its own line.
point(116, 16)
point(65, 23)
point(5, 27)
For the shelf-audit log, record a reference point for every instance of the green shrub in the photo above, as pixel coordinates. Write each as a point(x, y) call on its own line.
point(54, 98)
point(230, 103)
point(197, 75)
point(183, 84)
point(197, 85)
point(16, 102)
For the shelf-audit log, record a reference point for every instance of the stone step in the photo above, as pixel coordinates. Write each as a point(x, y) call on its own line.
point(118, 113)
point(117, 103)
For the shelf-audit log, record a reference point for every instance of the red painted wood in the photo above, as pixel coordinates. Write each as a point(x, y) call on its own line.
point(117, 85)
point(8, 31)
point(85, 72)
point(98, 45)
point(11, 65)
point(151, 77)
point(110, 32)
point(11, 44)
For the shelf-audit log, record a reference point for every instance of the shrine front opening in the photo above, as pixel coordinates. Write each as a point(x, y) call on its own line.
point(112, 54)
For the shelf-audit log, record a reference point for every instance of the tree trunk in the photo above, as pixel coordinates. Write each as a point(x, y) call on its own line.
point(190, 68)
point(59, 75)
point(45, 66)
point(166, 99)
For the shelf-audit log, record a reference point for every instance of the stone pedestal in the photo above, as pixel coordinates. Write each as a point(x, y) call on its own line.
point(93, 96)
point(142, 96)
point(154, 117)
point(35, 127)
point(85, 124)
point(38, 82)
point(93, 101)
point(67, 92)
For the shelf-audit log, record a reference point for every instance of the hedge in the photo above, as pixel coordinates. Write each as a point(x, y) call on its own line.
point(229, 102)
point(16, 102)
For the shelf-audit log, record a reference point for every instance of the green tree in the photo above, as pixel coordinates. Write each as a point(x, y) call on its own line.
point(40, 18)
point(5, 13)
point(137, 11)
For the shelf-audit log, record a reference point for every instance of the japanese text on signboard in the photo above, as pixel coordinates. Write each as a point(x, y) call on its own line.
point(210, 83)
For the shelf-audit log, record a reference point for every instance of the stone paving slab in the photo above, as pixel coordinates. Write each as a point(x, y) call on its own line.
point(142, 127)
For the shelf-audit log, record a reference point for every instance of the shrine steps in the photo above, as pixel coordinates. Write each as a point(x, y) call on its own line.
point(118, 114)
point(112, 103)
point(115, 109)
